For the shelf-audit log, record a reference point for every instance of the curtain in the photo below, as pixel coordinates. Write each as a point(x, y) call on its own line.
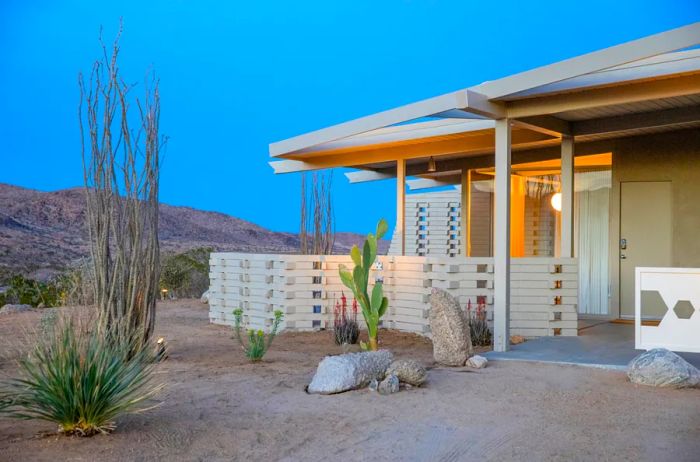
point(591, 215)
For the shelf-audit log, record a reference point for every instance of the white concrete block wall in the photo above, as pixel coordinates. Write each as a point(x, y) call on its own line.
point(305, 287)
point(432, 225)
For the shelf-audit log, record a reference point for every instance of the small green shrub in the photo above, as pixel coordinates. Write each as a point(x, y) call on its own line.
point(30, 292)
point(81, 379)
point(185, 274)
point(257, 343)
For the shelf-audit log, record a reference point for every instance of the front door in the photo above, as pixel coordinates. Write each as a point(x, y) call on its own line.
point(645, 238)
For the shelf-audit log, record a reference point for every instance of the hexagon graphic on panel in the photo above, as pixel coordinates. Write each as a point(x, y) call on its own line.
point(684, 309)
point(652, 304)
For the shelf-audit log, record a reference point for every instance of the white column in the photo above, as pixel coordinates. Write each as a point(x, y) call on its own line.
point(401, 203)
point(567, 197)
point(501, 252)
point(466, 203)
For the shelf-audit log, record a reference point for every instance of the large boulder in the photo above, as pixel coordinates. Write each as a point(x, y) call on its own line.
point(663, 368)
point(408, 371)
point(452, 344)
point(19, 308)
point(336, 374)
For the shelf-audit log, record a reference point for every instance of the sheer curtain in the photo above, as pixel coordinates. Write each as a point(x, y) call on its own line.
point(591, 215)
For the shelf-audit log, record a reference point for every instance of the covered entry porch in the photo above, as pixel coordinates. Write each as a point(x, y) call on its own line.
point(588, 105)
point(602, 344)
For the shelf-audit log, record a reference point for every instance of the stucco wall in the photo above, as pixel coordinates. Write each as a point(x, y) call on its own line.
point(671, 157)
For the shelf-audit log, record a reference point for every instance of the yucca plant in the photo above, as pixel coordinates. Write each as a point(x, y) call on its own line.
point(373, 307)
point(258, 343)
point(81, 379)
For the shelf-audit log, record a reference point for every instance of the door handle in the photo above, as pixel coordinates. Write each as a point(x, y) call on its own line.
point(623, 256)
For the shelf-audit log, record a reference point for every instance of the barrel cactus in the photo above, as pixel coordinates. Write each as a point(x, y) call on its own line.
point(373, 306)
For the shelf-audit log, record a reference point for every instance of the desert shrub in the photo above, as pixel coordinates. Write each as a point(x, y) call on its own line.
point(257, 343)
point(48, 321)
point(76, 284)
point(185, 274)
point(478, 324)
point(81, 379)
point(30, 292)
point(345, 328)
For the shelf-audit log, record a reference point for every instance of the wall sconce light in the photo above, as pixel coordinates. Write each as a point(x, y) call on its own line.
point(556, 202)
point(431, 165)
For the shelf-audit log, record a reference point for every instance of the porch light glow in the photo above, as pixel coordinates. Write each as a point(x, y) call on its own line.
point(556, 202)
point(431, 165)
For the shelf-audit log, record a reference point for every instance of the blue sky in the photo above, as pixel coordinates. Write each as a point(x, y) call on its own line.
point(236, 76)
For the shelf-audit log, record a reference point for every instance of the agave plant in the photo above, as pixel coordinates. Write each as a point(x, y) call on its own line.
point(374, 306)
point(81, 379)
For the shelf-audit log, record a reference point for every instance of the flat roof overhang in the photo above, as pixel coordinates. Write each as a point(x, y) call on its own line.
point(639, 87)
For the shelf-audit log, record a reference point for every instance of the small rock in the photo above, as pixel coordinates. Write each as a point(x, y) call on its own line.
point(408, 371)
point(516, 339)
point(452, 343)
point(349, 371)
point(477, 362)
point(9, 308)
point(389, 385)
point(205, 297)
point(663, 368)
point(373, 385)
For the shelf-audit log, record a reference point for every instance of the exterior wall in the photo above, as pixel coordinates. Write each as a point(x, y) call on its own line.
point(305, 287)
point(439, 213)
point(673, 157)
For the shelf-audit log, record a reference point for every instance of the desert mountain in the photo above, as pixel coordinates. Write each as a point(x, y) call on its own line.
point(43, 232)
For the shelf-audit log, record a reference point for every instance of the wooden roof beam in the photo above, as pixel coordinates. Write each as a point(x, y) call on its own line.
point(654, 119)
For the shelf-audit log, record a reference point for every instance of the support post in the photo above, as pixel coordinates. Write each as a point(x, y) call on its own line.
point(567, 197)
point(401, 203)
point(501, 254)
point(466, 212)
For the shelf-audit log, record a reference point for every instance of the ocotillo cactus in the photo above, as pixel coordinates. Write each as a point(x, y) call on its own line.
point(374, 306)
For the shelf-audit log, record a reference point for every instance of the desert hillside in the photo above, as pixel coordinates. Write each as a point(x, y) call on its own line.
point(42, 232)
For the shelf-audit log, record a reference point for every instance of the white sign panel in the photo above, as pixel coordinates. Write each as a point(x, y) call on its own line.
point(679, 329)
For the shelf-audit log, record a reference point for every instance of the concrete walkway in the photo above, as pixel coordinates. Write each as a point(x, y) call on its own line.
point(606, 345)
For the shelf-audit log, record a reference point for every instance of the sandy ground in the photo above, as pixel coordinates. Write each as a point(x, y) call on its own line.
point(219, 407)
